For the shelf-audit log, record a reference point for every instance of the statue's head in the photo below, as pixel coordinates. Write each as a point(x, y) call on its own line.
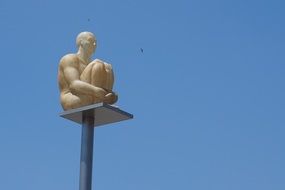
point(86, 41)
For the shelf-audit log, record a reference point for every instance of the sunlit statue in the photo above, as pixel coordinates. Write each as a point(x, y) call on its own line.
point(82, 81)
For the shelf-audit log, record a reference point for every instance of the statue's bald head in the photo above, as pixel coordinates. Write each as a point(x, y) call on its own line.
point(86, 43)
point(85, 36)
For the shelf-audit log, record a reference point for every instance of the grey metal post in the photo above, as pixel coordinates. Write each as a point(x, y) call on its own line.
point(105, 114)
point(87, 138)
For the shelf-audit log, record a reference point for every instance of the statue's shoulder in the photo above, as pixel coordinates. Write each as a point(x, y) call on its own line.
point(69, 60)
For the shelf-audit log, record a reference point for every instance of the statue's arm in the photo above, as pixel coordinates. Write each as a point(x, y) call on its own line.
point(77, 86)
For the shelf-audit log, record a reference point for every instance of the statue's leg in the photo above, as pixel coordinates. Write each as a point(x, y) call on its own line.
point(98, 74)
point(86, 74)
point(111, 98)
point(95, 74)
point(71, 101)
point(110, 76)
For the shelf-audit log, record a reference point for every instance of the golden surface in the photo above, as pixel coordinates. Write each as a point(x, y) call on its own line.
point(82, 81)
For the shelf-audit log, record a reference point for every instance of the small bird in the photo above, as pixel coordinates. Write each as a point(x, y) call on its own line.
point(88, 19)
point(142, 50)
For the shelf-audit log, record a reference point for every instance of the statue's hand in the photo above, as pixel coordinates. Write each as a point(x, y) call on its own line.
point(101, 93)
point(111, 98)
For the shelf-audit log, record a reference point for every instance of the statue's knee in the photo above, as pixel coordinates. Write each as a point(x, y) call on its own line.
point(98, 67)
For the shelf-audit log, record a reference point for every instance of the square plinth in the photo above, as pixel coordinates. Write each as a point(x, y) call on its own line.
point(103, 114)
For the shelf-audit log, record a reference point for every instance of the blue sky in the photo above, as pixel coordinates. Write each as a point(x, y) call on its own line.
point(207, 94)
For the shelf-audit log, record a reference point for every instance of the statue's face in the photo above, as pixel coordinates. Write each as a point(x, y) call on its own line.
point(89, 44)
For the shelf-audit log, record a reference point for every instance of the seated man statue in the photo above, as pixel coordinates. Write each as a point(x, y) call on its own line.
point(82, 81)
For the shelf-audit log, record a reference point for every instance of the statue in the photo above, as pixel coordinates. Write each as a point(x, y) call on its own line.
point(82, 81)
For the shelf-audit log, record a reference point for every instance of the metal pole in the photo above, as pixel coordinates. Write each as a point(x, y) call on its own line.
point(86, 158)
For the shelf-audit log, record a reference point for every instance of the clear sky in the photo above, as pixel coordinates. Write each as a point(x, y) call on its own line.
point(207, 94)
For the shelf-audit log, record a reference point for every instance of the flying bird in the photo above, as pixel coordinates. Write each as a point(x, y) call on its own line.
point(142, 50)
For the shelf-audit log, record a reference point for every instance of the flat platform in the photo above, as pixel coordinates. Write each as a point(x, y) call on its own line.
point(103, 114)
